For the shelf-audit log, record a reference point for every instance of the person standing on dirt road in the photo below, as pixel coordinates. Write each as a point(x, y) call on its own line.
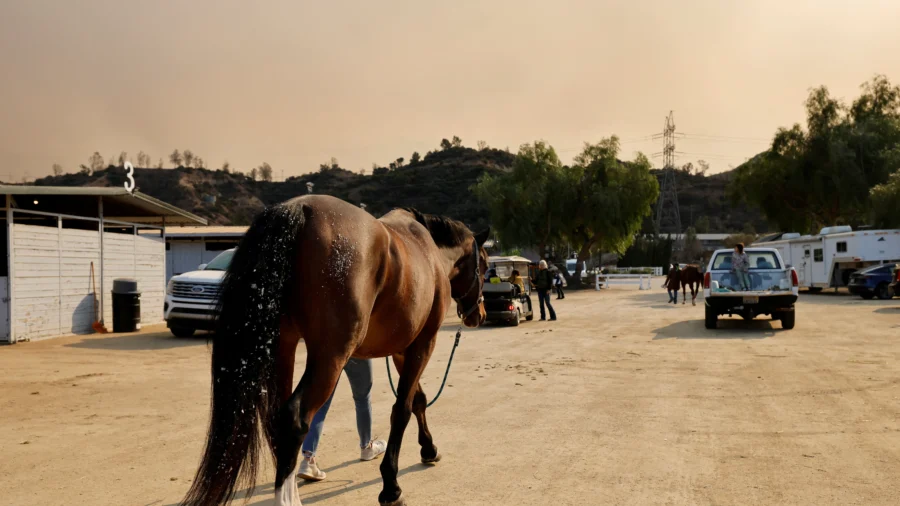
point(673, 283)
point(544, 284)
point(559, 282)
point(359, 373)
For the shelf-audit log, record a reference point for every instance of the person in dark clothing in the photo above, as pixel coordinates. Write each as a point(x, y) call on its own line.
point(673, 283)
point(544, 284)
point(558, 283)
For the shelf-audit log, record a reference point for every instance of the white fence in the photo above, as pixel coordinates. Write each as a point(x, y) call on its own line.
point(623, 279)
point(655, 271)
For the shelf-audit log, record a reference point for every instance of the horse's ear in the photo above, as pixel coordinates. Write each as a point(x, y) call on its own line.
point(482, 237)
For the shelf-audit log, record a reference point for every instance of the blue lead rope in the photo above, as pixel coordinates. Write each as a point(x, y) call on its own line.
point(387, 362)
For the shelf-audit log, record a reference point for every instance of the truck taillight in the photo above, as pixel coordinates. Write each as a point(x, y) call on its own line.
point(511, 307)
point(706, 278)
point(795, 281)
point(897, 275)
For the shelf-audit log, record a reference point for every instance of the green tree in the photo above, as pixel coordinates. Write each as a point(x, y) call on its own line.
point(188, 158)
point(823, 175)
point(265, 172)
point(886, 202)
point(702, 225)
point(692, 249)
point(605, 200)
point(414, 159)
point(525, 204)
point(456, 142)
point(176, 158)
point(95, 162)
point(445, 145)
point(57, 169)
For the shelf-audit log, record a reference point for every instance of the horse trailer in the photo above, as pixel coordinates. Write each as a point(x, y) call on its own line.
point(828, 259)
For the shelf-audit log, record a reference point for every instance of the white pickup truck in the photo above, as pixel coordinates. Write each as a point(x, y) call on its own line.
point(773, 290)
point(192, 297)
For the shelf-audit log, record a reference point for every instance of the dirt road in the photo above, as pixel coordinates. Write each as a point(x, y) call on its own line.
point(625, 400)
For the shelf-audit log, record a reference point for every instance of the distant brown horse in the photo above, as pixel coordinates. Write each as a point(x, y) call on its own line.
point(319, 269)
point(690, 276)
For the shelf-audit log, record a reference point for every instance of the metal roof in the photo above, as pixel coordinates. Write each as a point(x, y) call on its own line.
point(177, 232)
point(143, 203)
point(492, 260)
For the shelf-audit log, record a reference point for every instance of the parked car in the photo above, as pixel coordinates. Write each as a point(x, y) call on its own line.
point(773, 290)
point(192, 297)
point(874, 281)
point(895, 284)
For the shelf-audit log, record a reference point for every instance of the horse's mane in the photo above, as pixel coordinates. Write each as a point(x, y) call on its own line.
point(446, 232)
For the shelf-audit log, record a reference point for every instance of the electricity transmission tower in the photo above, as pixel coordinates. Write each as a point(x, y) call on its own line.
point(668, 216)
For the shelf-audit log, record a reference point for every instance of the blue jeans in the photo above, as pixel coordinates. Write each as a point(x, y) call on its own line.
point(673, 295)
point(359, 373)
point(743, 279)
point(544, 298)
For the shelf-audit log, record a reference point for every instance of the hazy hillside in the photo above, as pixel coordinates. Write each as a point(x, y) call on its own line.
point(439, 183)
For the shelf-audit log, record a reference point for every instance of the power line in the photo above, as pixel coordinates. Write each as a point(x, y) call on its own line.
point(726, 137)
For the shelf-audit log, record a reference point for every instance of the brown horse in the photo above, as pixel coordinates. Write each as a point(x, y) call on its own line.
point(690, 276)
point(319, 269)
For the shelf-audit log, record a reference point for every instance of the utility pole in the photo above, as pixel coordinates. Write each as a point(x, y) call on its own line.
point(668, 216)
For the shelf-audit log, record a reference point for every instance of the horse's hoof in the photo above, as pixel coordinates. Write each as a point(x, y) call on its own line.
point(432, 460)
point(397, 502)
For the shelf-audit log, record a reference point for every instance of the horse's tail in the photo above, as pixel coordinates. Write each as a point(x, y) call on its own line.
point(251, 302)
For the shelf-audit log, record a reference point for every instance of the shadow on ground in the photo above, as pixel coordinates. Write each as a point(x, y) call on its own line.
point(139, 342)
point(728, 328)
point(311, 493)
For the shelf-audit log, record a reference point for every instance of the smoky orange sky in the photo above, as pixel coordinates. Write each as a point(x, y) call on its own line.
point(293, 83)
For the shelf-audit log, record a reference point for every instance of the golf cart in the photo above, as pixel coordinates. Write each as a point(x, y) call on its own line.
point(504, 301)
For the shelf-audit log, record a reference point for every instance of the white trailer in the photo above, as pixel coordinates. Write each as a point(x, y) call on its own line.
point(827, 260)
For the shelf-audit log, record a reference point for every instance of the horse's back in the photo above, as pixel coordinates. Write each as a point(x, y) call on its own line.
point(375, 279)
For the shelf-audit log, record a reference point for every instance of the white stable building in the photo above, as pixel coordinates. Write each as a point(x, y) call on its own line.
point(53, 236)
point(188, 247)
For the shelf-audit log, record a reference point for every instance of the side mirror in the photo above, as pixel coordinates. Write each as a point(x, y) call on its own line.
point(201, 267)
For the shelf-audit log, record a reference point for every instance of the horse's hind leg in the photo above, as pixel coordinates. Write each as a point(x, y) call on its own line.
point(292, 422)
point(695, 287)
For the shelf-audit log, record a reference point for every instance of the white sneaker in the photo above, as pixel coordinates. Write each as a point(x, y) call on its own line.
point(375, 448)
point(309, 471)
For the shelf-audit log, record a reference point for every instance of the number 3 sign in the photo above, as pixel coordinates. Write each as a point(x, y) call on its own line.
point(129, 173)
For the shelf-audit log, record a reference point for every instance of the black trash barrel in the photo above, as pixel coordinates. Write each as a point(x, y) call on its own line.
point(126, 308)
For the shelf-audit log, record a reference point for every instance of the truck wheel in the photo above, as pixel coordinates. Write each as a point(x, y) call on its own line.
point(529, 317)
point(711, 318)
point(182, 331)
point(884, 292)
point(515, 321)
point(787, 320)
